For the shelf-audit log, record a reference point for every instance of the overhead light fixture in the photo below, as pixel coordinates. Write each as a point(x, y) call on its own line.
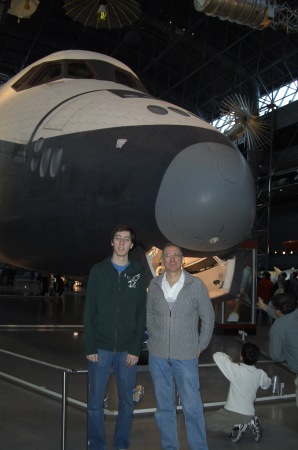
point(102, 12)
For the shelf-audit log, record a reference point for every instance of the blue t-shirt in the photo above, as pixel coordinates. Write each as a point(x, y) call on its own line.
point(120, 268)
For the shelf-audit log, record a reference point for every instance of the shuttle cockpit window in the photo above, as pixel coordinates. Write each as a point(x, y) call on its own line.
point(123, 78)
point(79, 70)
point(38, 75)
point(129, 80)
point(49, 73)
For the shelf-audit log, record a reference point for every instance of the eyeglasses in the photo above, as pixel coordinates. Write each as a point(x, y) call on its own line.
point(172, 255)
point(120, 238)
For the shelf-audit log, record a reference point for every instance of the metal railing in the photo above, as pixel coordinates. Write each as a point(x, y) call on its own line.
point(64, 399)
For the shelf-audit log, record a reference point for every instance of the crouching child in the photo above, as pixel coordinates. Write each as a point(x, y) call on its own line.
point(238, 413)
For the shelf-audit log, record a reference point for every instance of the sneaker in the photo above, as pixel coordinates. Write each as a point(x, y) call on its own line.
point(238, 432)
point(255, 427)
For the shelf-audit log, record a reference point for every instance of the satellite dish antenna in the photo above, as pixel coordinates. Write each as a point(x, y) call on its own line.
point(255, 129)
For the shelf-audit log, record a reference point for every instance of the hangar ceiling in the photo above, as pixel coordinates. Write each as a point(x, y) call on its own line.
point(188, 58)
point(180, 54)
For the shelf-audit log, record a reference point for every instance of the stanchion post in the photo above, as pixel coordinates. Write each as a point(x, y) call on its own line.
point(63, 413)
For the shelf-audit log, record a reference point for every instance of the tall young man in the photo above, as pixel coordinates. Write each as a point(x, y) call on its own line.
point(114, 324)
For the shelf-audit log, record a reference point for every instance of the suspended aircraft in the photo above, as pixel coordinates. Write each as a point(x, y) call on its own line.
point(84, 147)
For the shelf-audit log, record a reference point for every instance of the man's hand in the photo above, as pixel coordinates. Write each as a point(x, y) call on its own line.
point(92, 358)
point(261, 304)
point(131, 360)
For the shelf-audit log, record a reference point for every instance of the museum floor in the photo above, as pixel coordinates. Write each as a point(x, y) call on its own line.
point(41, 357)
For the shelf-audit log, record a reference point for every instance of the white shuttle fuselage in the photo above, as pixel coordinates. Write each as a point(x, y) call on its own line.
point(84, 147)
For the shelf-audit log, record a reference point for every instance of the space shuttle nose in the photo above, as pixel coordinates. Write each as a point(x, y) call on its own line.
point(206, 201)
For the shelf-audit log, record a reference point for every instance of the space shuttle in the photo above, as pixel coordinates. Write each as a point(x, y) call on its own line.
point(84, 147)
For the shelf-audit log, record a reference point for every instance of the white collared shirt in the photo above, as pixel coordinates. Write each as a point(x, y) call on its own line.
point(171, 292)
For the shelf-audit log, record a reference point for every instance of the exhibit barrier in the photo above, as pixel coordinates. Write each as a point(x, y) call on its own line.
point(63, 397)
point(65, 400)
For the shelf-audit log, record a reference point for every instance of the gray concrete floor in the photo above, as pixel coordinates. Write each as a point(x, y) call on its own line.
point(31, 413)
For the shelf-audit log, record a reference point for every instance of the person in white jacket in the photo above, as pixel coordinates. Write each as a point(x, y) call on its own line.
point(238, 413)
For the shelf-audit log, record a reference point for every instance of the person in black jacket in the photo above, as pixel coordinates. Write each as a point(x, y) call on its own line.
point(114, 325)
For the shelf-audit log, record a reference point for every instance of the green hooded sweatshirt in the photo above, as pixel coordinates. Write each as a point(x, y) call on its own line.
point(115, 310)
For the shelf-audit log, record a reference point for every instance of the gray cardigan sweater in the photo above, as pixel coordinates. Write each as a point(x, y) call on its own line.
point(174, 333)
point(283, 344)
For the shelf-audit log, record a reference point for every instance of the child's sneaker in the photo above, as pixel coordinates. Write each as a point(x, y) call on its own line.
point(238, 432)
point(255, 427)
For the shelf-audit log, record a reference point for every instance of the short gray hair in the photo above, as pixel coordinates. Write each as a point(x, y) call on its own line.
point(171, 244)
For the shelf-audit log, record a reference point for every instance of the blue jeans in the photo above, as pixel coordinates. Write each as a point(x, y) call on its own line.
point(125, 377)
point(166, 373)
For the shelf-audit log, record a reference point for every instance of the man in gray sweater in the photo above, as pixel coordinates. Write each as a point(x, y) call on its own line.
point(180, 321)
point(284, 331)
point(284, 334)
